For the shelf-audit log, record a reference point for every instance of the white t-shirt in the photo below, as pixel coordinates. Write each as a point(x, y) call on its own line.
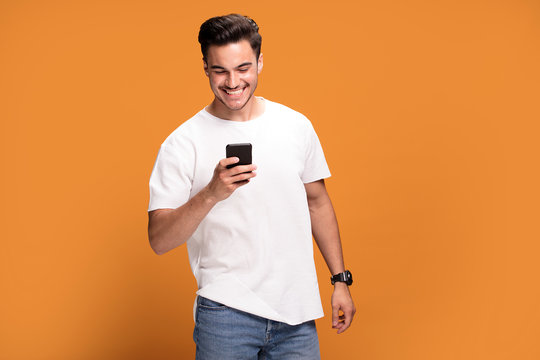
point(254, 250)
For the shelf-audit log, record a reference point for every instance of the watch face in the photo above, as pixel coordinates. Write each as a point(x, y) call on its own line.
point(349, 277)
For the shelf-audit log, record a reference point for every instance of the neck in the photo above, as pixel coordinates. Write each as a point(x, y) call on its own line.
point(253, 108)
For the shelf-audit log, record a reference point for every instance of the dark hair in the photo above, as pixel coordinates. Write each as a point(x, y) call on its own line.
point(222, 30)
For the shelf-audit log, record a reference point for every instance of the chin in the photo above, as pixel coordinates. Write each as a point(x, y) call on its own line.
point(235, 106)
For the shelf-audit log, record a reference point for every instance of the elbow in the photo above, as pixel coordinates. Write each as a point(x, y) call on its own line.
point(156, 237)
point(155, 245)
point(158, 251)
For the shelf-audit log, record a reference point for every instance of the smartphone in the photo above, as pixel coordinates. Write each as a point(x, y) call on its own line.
point(241, 151)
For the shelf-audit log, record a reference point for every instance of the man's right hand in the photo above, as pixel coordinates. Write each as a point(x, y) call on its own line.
point(225, 181)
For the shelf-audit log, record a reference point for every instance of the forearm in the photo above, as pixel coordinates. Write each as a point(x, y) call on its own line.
point(325, 230)
point(170, 229)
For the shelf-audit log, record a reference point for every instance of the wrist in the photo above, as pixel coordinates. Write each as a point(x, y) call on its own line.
point(340, 286)
point(207, 197)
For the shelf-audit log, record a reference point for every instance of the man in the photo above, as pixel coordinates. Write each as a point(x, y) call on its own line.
point(248, 232)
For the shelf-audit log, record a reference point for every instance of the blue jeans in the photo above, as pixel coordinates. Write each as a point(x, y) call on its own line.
point(224, 333)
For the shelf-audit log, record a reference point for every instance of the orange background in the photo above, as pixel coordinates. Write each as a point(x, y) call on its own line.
point(428, 113)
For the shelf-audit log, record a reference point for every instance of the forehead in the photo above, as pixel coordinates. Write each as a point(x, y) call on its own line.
point(230, 55)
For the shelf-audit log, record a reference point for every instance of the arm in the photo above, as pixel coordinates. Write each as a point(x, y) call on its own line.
point(170, 228)
point(326, 233)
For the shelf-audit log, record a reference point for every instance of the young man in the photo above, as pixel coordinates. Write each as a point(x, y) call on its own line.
point(248, 228)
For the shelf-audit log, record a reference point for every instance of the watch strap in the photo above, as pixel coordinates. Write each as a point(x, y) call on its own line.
point(345, 277)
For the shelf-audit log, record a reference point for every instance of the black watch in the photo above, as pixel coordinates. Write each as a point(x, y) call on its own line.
point(345, 277)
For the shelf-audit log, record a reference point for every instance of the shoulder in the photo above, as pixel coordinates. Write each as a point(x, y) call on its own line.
point(283, 109)
point(288, 115)
point(185, 132)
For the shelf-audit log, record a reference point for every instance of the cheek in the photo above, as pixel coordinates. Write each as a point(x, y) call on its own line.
point(214, 81)
point(251, 77)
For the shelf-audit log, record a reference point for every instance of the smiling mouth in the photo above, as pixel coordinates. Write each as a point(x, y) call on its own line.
point(234, 92)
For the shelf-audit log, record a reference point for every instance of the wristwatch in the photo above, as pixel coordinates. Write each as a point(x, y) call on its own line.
point(345, 277)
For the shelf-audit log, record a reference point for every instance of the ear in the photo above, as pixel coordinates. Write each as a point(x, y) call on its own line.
point(205, 65)
point(260, 64)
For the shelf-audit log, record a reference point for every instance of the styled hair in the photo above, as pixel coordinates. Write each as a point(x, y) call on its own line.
point(232, 28)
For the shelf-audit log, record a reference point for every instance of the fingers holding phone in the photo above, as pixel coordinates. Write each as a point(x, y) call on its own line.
point(232, 172)
point(231, 168)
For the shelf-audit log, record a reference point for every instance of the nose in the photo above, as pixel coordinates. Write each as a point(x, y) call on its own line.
point(232, 80)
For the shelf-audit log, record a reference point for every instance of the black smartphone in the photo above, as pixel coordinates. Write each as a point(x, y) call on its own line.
point(241, 151)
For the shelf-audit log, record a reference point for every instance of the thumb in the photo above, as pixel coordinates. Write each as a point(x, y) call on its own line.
point(335, 315)
point(228, 161)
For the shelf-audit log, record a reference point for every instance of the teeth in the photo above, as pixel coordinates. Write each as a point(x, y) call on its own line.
point(236, 92)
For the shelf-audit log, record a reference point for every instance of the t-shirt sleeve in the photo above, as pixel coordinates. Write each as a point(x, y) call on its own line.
point(315, 167)
point(171, 179)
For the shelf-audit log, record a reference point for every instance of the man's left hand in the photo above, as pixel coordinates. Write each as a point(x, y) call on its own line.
point(342, 307)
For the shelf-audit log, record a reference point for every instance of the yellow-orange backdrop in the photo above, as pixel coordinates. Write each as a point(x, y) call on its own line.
point(427, 111)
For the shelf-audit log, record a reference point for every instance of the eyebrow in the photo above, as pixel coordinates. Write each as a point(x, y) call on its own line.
point(239, 66)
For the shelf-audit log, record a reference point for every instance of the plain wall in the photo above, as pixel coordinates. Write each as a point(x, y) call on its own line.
point(428, 114)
